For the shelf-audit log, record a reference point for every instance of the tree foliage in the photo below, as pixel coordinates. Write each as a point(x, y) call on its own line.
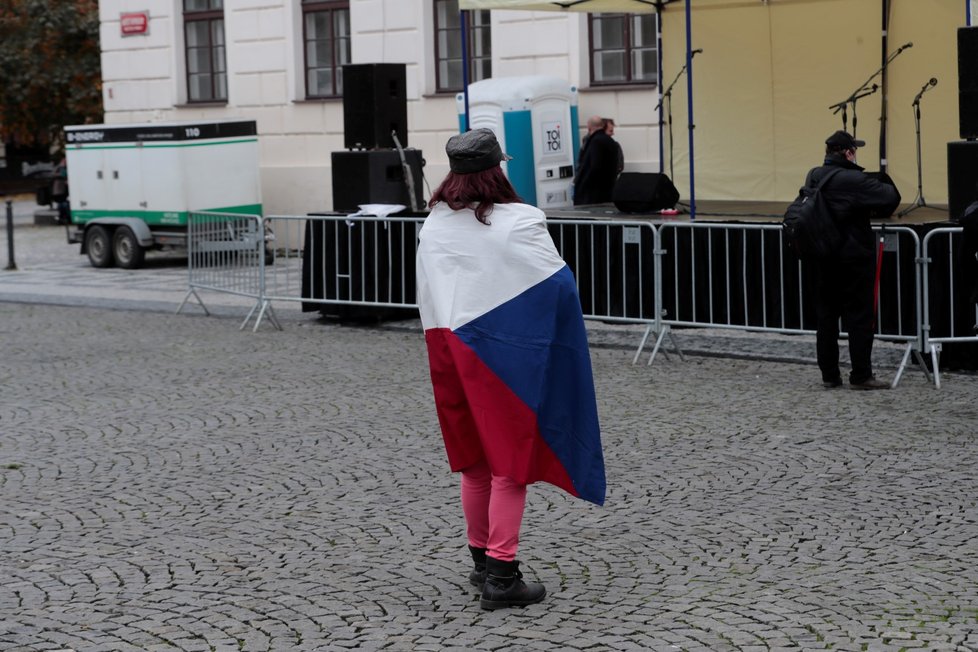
point(50, 69)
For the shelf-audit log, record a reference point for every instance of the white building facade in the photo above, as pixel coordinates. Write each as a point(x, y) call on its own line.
point(279, 62)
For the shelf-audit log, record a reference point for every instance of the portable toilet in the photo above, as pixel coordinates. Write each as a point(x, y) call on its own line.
point(535, 120)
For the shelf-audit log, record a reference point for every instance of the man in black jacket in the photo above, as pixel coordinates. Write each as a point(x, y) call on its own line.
point(845, 281)
point(598, 165)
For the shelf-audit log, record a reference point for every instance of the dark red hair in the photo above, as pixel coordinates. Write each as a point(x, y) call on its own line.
point(479, 189)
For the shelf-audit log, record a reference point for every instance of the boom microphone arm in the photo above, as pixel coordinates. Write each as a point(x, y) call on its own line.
point(865, 89)
point(855, 95)
point(668, 91)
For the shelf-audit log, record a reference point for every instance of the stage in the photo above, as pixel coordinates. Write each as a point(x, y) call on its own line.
point(717, 210)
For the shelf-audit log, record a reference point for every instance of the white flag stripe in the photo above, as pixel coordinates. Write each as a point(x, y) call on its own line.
point(467, 268)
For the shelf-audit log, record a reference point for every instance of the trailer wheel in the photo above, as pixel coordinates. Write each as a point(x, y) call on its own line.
point(129, 254)
point(98, 244)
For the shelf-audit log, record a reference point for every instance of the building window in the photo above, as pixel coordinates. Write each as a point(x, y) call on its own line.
point(207, 76)
point(623, 49)
point(326, 32)
point(448, 45)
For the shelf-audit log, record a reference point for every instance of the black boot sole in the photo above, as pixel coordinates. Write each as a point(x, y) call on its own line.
point(502, 604)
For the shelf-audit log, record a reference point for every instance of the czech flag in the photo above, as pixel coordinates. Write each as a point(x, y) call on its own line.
point(508, 350)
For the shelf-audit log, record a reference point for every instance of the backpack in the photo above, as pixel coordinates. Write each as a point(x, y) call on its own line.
point(808, 226)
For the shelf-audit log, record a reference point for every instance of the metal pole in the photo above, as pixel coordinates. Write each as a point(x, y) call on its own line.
point(11, 265)
point(658, 44)
point(462, 16)
point(689, 99)
point(886, 87)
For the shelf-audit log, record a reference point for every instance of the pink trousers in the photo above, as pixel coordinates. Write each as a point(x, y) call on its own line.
point(493, 507)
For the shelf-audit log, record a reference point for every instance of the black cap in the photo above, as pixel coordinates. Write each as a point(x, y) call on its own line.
point(474, 151)
point(842, 140)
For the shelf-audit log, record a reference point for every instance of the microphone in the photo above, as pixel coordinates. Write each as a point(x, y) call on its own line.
point(905, 46)
point(695, 52)
point(930, 84)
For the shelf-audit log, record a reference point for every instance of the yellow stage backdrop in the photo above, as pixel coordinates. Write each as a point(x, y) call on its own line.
point(771, 68)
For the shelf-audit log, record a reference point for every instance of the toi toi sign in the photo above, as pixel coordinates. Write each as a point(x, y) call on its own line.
point(552, 142)
point(133, 23)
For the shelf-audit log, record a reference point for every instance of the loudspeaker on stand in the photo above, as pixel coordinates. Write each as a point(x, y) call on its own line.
point(374, 105)
point(374, 177)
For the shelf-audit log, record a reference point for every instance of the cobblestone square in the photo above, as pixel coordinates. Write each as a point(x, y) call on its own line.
point(169, 482)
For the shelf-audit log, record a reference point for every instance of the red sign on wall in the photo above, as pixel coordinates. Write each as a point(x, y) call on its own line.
point(136, 22)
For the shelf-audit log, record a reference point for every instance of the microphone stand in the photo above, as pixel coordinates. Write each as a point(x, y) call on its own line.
point(919, 200)
point(863, 90)
point(667, 98)
point(857, 95)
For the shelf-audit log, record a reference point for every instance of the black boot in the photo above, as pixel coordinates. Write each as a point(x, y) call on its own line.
point(478, 576)
point(505, 586)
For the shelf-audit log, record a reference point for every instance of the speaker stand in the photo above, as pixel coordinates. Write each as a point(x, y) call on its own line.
point(408, 173)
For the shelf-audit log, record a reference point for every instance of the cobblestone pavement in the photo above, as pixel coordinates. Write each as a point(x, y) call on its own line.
point(169, 482)
point(172, 483)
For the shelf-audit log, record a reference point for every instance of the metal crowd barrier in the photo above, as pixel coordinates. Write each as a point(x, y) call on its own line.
point(950, 312)
point(616, 264)
point(228, 252)
point(344, 260)
point(665, 275)
point(742, 276)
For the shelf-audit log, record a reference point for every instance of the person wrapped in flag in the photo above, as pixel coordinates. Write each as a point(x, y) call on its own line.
point(509, 360)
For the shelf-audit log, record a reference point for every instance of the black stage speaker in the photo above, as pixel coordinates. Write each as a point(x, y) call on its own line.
point(643, 192)
point(374, 105)
point(968, 82)
point(374, 177)
point(962, 176)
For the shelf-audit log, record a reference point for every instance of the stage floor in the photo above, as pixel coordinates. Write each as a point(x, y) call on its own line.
point(710, 210)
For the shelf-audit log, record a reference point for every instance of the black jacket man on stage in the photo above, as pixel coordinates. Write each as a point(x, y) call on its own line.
point(598, 165)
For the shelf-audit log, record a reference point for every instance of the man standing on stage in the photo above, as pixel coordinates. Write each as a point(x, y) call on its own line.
point(609, 128)
point(845, 280)
point(598, 165)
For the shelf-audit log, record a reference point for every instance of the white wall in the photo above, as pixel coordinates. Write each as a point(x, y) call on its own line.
point(143, 81)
